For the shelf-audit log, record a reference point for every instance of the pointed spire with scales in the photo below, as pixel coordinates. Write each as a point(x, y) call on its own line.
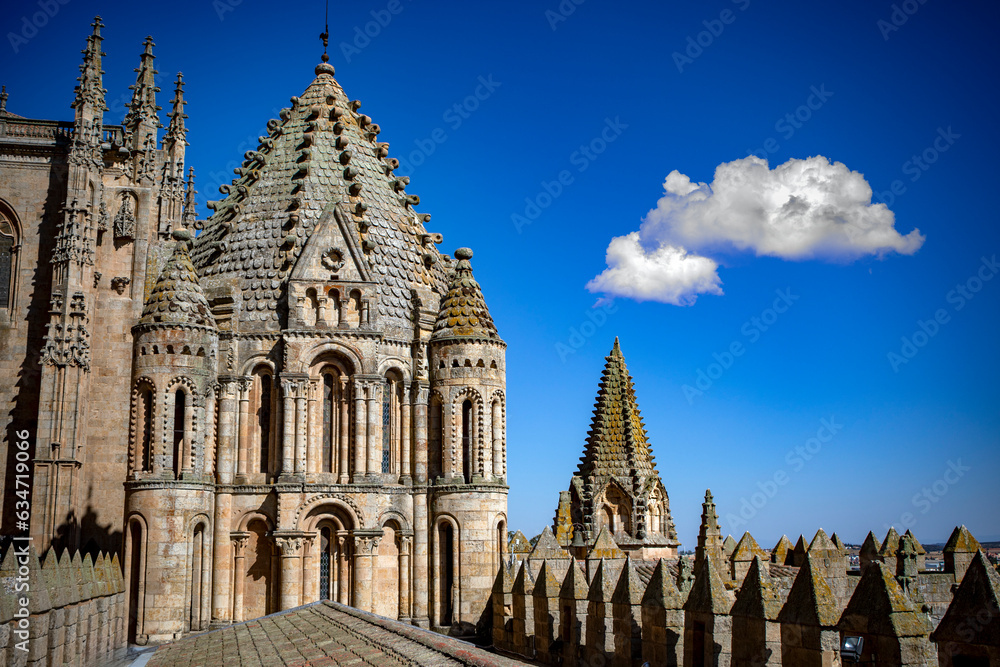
point(616, 443)
point(463, 309)
point(617, 485)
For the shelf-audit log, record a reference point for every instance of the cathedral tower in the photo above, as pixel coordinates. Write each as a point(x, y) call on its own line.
point(170, 486)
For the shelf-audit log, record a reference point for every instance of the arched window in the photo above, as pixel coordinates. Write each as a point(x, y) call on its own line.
point(434, 427)
point(445, 572)
point(8, 241)
point(144, 428)
point(264, 420)
point(135, 576)
point(392, 422)
point(324, 563)
point(387, 428)
point(311, 311)
point(467, 440)
point(329, 410)
point(180, 400)
point(501, 544)
point(198, 603)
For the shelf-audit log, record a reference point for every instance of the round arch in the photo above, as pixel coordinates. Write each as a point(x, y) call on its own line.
point(325, 352)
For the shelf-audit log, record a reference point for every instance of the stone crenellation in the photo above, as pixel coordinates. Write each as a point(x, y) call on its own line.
point(749, 609)
point(77, 611)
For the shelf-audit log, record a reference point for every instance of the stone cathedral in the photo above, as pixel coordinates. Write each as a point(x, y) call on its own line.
point(299, 398)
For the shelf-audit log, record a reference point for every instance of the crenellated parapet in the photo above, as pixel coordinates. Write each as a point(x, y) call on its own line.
point(631, 611)
point(62, 609)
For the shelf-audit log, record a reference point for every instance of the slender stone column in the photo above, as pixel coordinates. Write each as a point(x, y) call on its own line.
point(360, 459)
point(244, 428)
point(343, 570)
point(240, 540)
point(365, 550)
point(291, 545)
point(288, 439)
point(420, 433)
point(314, 431)
point(222, 563)
point(497, 422)
point(404, 578)
point(374, 430)
point(404, 448)
point(345, 425)
point(300, 427)
point(187, 445)
point(420, 553)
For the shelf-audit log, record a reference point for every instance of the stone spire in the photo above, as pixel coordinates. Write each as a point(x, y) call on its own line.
point(172, 214)
point(89, 101)
point(177, 297)
point(142, 108)
point(616, 484)
point(190, 205)
point(463, 309)
point(141, 121)
point(174, 140)
point(3, 100)
point(709, 535)
point(616, 443)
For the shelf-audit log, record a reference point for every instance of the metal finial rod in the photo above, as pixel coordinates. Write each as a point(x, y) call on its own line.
point(325, 36)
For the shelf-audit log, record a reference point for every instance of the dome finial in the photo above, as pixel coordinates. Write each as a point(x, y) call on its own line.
point(325, 35)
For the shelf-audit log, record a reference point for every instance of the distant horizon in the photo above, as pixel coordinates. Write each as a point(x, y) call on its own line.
point(782, 211)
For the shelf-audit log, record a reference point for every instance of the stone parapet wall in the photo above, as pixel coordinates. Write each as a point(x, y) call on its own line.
point(61, 610)
point(642, 611)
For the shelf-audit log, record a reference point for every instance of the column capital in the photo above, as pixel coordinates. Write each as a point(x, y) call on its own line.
point(366, 543)
point(240, 539)
point(290, 542)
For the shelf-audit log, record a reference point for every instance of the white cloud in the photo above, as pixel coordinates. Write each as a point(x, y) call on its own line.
point(802, 209)
point(666, 273)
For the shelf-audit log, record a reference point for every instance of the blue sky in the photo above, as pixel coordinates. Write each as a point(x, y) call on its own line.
point(583, 115)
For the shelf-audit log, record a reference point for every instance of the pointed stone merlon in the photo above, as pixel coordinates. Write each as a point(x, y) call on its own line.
point(600, 646)
point(893, 627)
point(708, 625)
point(663, 618)
point(970, 627)
point(870, 550)
point(743, 555)
point(959, 552)
point(827, 556)
point(756, 633)
point(523, 608)
point(61, 608)
point(809, 619)
point(502, 601)
point(626, 612)
point(546, 613)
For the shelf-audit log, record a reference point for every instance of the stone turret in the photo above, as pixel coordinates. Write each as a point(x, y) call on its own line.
point(617, 485)
point(171, 446)
point(467, 357)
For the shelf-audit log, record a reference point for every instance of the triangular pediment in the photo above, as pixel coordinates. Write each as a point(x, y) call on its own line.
point(332, 253)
